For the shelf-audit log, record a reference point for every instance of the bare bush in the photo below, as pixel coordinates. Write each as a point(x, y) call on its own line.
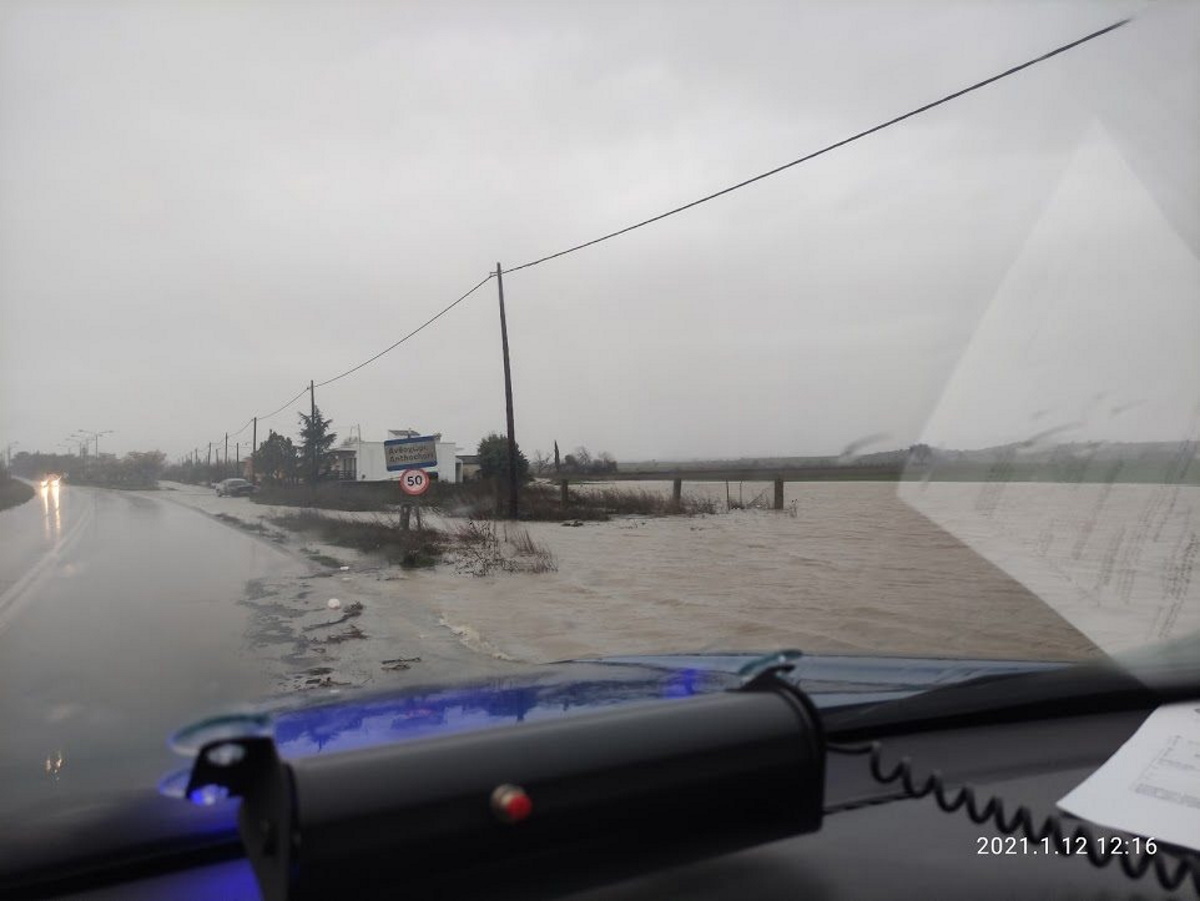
point(481, 550)
point(532, 557)
point(408, 547)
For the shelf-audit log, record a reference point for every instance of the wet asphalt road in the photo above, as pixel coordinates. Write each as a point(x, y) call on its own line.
point(119, 622)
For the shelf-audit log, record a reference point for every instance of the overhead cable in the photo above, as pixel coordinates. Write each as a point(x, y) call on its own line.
point(303, 391)
point(687, 206)
point(826, 149)
point(422, 326)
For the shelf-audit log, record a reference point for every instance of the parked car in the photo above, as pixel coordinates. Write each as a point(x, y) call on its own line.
point(234, 488)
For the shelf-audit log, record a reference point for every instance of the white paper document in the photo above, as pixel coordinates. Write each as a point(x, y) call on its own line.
point(1151, 786)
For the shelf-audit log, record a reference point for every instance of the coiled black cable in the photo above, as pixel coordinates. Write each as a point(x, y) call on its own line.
point(1171, 869)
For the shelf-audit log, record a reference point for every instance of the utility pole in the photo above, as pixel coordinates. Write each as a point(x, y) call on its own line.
point(254, 449)
point(237, 457)
point(312, 433)
point(225, 468)
point(513, 501)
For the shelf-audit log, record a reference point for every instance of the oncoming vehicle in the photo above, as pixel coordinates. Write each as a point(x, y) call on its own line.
point(235, 488)
point(807, 397)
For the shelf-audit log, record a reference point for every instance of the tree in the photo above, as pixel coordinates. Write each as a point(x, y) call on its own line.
point(493, 458)
point(315, 443)
point(277, 460)
point(920, 454)
point(144, 467)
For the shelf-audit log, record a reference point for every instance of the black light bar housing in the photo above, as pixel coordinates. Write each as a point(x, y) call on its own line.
point(531, 810)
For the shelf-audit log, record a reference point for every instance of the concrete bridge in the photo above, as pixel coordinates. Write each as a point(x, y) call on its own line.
point(779, 475)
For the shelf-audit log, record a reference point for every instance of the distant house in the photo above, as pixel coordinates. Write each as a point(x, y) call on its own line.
point(468, 467)
point(343, 464)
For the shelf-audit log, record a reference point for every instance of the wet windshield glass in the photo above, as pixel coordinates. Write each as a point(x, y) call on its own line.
point(283, 287)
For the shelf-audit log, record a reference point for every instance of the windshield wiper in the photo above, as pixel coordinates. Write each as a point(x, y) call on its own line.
point(1085, 688)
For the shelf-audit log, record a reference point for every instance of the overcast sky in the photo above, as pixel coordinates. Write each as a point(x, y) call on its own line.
point(205, 205)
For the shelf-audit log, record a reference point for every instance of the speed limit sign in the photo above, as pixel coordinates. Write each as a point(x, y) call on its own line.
point(414, 481)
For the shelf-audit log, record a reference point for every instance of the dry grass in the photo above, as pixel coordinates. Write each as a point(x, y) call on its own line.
point(14, 492)
point(543, 502)
point(354, 496)
point(643, 502)
point(478, 547)
point(408, 548)
point(481, 549)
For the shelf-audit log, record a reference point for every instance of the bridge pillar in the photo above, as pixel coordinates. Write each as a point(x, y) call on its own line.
point(779, 494)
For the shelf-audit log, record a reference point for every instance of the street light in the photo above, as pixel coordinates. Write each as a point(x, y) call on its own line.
point(95, 436)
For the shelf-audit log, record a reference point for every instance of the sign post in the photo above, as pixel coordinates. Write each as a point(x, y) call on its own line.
point(414, 483)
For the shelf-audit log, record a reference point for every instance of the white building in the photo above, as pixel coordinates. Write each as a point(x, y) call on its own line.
point(370, 457)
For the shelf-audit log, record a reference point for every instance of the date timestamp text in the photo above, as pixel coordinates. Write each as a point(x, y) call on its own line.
point(1107, 846)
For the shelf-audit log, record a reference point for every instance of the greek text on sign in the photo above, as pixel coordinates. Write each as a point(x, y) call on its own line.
point(410, 453)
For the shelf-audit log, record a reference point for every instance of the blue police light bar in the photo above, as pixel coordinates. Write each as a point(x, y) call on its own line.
point(529, 810)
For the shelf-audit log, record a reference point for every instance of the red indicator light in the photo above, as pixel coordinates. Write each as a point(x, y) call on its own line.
point(511, 804)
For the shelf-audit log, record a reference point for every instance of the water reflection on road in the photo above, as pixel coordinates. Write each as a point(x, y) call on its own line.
point(51, 497)
point(121, 620)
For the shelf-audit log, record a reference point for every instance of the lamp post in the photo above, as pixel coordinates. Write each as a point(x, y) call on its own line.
point(87, 434)
point(95, 436)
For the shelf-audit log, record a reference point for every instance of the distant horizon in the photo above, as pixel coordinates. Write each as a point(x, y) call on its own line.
point(1161, 444)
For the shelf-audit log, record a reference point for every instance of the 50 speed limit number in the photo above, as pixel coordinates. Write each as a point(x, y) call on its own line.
point(414, 481)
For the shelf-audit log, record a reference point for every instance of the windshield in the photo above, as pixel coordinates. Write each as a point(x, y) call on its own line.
point(388, 348)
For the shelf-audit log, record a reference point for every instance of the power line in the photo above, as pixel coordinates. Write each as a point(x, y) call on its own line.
point(303, 391)
point(242, 429)
point(687, 206)
point(422, 326)
point(824, 150)
point(249, 421)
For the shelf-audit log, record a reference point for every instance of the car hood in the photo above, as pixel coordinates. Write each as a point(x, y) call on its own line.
point(102, 834)
point(335, 722)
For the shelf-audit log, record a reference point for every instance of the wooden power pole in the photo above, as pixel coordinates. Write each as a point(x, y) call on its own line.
point(312, 434)
point(513, 477)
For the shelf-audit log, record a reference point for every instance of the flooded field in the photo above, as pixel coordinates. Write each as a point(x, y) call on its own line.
point(845, 567)
point(1016, 570)
point(1019, 570)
